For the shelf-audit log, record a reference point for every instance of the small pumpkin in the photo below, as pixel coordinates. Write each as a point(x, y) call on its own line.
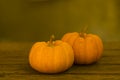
point(87, 48)
point(51, 57)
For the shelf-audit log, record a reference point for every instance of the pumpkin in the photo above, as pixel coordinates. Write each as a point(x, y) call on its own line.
point(51, 57)
point(87, 48)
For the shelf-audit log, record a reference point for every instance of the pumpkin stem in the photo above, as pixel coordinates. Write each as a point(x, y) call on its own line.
point(83, 31)
point(51, 40)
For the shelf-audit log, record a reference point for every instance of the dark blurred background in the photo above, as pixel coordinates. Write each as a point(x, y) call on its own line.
point(36, 20)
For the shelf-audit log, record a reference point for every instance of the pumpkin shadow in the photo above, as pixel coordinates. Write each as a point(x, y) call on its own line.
point(92, 64)
point(32, 71)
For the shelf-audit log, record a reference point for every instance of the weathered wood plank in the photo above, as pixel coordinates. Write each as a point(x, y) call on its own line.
point(75, 69)
point(109, 60)
point(61, 77)
point(84, 75)
point(14, 64)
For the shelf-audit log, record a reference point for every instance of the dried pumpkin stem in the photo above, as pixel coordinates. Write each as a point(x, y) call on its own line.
point(51, 40)
point(83, 31)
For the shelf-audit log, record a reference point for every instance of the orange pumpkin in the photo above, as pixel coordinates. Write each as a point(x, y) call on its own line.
point(87, 48)
point(51, 57)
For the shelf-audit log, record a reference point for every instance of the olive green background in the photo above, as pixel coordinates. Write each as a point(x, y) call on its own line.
point(36, 20)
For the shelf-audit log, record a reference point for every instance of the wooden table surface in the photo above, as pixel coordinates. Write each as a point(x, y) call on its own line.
point(14, 64)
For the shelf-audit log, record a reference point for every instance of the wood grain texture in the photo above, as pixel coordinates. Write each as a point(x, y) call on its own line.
point(14, 65)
